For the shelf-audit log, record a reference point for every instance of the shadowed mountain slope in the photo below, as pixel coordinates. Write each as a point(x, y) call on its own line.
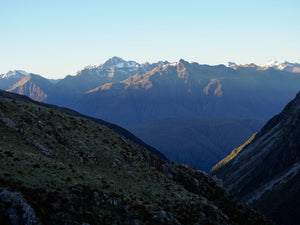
point(58, 168)
point(264, 172)
point(198, 141)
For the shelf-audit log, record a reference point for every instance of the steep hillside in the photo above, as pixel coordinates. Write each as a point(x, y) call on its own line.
point(198, 141)
point(125, 133)
point(62, 169)
point(264, 172)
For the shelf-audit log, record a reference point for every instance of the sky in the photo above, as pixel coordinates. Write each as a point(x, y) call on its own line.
point(60, 37)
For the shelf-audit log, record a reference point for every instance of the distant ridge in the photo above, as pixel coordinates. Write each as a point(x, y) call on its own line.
point(282, 66)
point(190, 89)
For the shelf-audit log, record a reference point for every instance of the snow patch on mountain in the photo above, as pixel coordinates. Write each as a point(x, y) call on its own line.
point(173, 64)
point(90, 67)
point(230, 64)
point(271, 63)
point(125, 67)
point(14, 73)
point(284, 65)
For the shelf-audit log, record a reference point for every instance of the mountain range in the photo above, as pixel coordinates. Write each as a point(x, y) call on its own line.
point(265, 171)
point(130, 94)
point(133, 93)
point(286, 66)
point(139, 92)
point(60, 167)
point(283, 66)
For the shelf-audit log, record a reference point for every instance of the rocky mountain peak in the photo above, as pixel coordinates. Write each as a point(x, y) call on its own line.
point(182, 61)
point(115, 59)
point(119, 63)
point(112, 64)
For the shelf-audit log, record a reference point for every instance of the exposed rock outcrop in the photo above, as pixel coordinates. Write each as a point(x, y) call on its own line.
point(15, 211)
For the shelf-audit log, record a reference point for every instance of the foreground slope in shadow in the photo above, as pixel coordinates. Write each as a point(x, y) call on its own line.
point(59, 168)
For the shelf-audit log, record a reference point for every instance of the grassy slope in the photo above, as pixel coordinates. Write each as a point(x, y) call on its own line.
point(72, 170)
point(232, 155)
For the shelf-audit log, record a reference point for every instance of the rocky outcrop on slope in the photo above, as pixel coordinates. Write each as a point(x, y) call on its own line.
point(14, 210)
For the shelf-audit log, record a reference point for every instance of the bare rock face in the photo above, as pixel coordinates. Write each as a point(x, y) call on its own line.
point(14, 210)
point(46, 151)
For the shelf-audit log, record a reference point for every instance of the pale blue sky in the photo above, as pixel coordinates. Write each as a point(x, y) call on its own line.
point(59, 37)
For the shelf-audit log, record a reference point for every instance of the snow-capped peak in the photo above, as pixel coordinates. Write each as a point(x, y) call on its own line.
point(173, 64)
point(14, 73)
point(284, 65)
point(115, 62)
point(230, 64)
point(271, 63)
point(90, 67)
